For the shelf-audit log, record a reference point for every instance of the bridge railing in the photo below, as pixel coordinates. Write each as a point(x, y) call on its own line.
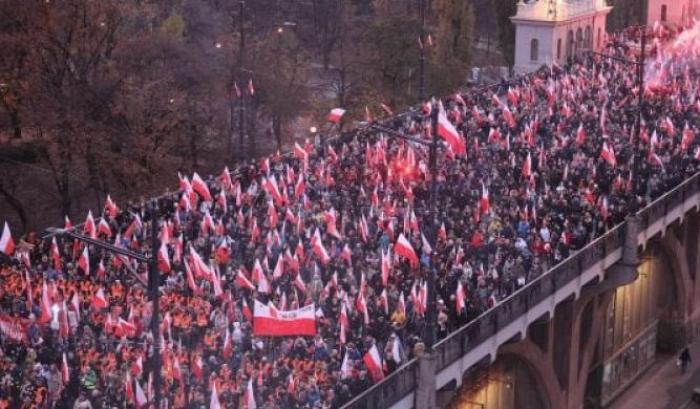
point(458, 343)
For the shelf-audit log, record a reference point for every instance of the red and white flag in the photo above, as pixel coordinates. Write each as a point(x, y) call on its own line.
point(608, 154)
point(450, 134)
point(251, 90)
point(460, 297)
point(269, 321)
point(336, 115)
point(99, 301)
point(199, 186)
point(527, 166)
point(140, 397)
point(89, 228)
point(580, 135)
point(7, 245)
point(373, 361)
point(65, 373)
point(214, 400)
point(163, 258)
point(111, 209)
point(404, 248)
point(228, 348)
point(84, 261)
point(484, 203)
point(299, 152)
point(249, 397)
point(688, 137)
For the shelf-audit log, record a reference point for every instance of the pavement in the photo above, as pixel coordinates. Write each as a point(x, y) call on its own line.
point(662, 386)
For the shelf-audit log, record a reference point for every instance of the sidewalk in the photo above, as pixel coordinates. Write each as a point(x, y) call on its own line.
point(662, 386)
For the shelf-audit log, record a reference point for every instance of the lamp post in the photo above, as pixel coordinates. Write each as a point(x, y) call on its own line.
point(152, 285)
point(241, 102)
point(421, 89)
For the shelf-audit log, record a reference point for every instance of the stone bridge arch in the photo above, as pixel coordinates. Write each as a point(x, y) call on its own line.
point(517, 379)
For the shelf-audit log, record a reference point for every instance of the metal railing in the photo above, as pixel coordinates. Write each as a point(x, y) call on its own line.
point(460, 342)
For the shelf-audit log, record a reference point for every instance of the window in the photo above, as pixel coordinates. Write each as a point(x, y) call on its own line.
point(579, 41)
point(588, 38)
point(558, 49)
point(599, 37)
point(663, 12)
point(534, 49)
point(569, 44)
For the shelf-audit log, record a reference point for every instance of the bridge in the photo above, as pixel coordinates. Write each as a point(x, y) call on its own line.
point(578, 334)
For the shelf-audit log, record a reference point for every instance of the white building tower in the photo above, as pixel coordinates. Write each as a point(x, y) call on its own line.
point(549, 31)
point(677, 12)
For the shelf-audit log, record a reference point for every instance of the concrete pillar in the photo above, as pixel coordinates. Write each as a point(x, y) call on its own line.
point(425, 395)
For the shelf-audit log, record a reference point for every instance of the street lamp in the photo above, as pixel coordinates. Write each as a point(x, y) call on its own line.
point(421, 90)
point(152, 286)
point(313, 129)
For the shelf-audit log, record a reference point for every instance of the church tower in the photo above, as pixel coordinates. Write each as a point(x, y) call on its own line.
point(549, 31)
point(676, 12)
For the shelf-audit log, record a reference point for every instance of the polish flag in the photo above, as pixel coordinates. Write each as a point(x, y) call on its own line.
point(65, 374)
point(401, 306)
point(460, 303)
point(608, 154)
point(299, 187)
point(99, 301)
point(199, 186)
point(425, 245)
point(449, 133)
point(604, 208)
point(163, 258)
point(404, 248)
point(373, 361)
point(668, 125)
point(190, 280)
point(484, 202)
point(580, 135)
point(243, 282)
point(318, 248)
point(140, 397)
point(268, 321)
point(346, 254)
point(299, 283)
point(299, 152)
point(228, 349)
point(89, 227)
point(384, 301)
point(272, 214)
point(45, 305)
point(55, 254)
point(386, 108)
point(214, 401)
point(135, 225)
point(84, 261)
point(270, 185)
point(111, 209)
point(251, 88)
point(343, 321)
point(128, 388)
point(75, 302)
point(7, 245)
point(249, 398)
point(527, 166)
point(336, 115)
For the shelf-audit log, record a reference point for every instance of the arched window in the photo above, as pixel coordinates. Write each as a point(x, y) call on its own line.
point(569, 44)
point(534, 49)
point(663, 12)
point(558, 49)
point(579, 41)
point(599, 37)
point(588, 38)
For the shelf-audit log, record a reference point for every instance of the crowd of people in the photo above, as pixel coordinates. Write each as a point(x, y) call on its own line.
point(540, 167)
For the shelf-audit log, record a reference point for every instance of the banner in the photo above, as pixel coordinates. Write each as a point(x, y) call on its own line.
point(12, 329)
point(269, 321)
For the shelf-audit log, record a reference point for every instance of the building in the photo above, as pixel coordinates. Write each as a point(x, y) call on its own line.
point(679, 12)
point(549, 31)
